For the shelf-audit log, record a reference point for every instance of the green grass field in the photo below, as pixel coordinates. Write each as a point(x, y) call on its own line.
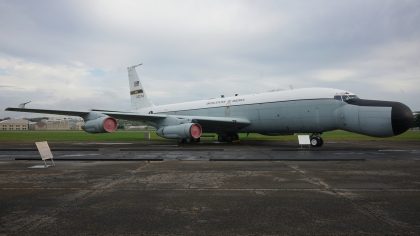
point(32, 136)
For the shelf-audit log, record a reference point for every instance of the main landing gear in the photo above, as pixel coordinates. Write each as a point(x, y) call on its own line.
point(188, 140)
point(316, 140)
point(227, 137)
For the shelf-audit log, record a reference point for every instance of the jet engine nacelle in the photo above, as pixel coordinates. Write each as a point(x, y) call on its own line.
point(104, 124)
point(182, 131)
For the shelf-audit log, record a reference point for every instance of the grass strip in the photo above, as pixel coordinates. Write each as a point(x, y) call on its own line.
point(132, 136)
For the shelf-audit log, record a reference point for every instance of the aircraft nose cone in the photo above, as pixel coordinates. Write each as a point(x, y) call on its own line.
point(402, 118)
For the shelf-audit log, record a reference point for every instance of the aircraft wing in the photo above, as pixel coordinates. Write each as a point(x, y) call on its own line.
point(115, 114)
point(46, 111)
point(208, 123)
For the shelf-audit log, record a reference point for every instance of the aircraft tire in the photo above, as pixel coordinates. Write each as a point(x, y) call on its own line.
point(227, 138)
point(316, 141)
point(321, 142)
point(184, 140)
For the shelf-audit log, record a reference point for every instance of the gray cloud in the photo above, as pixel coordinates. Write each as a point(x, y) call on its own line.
point(196, 50)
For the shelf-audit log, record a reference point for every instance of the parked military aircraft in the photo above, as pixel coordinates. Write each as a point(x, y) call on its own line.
point(308, 110)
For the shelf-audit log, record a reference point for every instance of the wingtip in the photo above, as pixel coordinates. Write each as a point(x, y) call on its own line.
point(13, 109)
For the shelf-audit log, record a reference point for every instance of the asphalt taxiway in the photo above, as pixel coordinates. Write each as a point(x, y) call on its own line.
point(246, 188)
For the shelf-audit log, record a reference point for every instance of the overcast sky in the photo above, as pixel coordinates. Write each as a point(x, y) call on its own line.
point(74, 54)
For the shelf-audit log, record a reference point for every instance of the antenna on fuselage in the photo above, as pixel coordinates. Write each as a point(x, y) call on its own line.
point(22, 105)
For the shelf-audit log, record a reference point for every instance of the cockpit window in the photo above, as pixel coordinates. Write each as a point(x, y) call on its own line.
point(345, 98)
point(348, 98)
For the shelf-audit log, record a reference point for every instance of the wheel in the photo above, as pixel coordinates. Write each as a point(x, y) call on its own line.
point(181, 141)
point(184, 140)
point(314, 141)
point(227, 138)
point(321, 142)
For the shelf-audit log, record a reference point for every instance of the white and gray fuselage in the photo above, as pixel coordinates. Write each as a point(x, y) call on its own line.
point(309, 110)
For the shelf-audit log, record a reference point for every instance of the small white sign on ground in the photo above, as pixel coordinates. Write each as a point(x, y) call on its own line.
point(45, 152)
point(304, 140)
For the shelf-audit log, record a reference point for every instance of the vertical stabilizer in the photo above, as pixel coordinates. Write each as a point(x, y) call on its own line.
point(138, 96)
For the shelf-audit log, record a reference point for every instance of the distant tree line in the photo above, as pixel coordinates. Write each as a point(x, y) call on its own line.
point(417, 120)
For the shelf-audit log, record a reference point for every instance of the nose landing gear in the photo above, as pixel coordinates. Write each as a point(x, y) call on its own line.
point(316, 140)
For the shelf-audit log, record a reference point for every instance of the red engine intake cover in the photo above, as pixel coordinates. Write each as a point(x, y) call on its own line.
point(196, 131)
point(110, 124)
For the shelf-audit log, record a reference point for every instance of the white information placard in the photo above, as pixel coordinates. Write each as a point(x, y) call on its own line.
point(45, 152)
point(304, 139)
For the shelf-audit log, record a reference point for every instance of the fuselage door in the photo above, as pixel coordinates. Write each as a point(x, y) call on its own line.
point(227, 108)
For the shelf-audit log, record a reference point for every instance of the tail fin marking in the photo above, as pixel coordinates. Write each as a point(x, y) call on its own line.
point(138, 96)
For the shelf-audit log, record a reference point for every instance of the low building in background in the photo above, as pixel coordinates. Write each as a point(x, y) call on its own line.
point(14, 124)
point(55, 123)
point(44, 123)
